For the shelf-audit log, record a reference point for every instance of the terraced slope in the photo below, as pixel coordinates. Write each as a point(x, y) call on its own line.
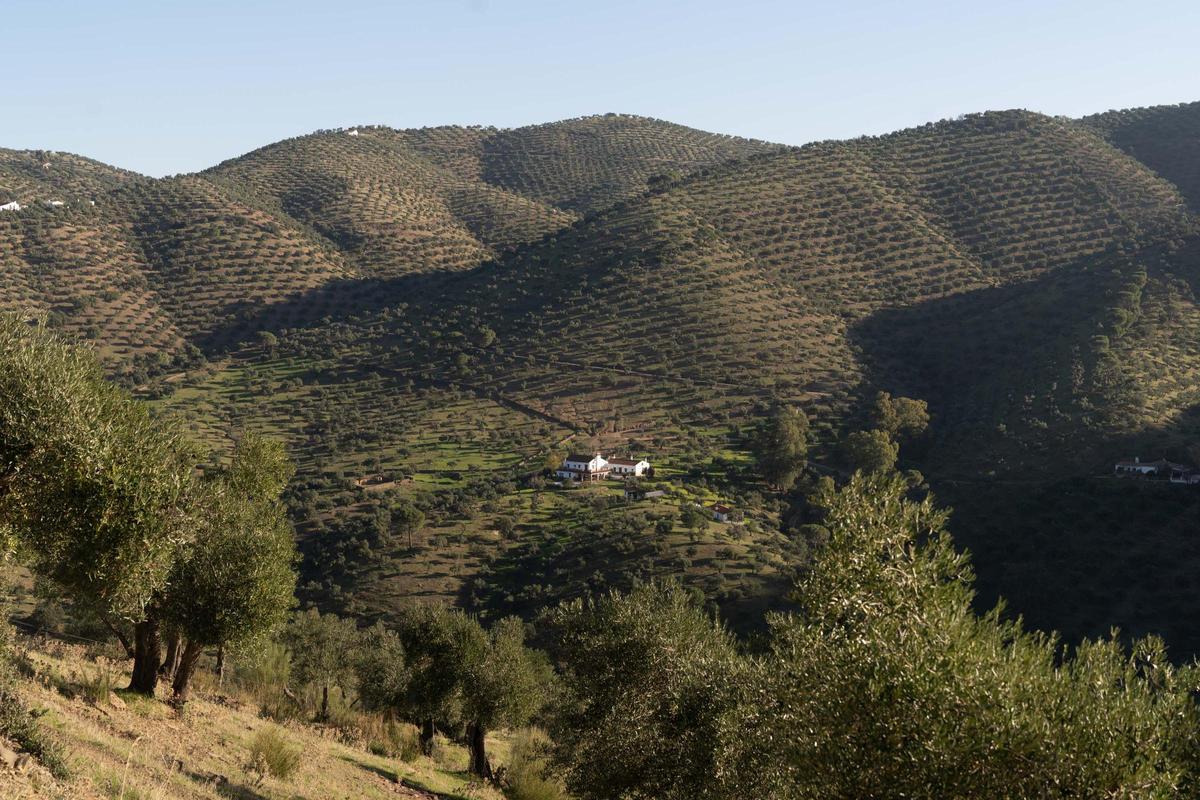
point(217, 260)
point(80, 266)
point(748, 276)
point(590, 163)
point(450, 198)
point(1164, 138)
point(1023, 192)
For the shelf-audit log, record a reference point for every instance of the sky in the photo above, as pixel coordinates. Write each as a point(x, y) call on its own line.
point(167, 86)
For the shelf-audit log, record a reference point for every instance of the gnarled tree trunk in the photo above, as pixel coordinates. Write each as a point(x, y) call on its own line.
point(171, 662)
point(428, 731)
point(183, 674)
point(147, 657)
point(477, 739)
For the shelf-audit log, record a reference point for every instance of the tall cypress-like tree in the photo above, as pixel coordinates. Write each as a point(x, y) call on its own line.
point(781, 446)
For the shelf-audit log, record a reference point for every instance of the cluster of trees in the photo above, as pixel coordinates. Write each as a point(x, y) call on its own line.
point(884, 682)
point(437, 667)
point(894, 419)
point(103, 500)
point(780, 442)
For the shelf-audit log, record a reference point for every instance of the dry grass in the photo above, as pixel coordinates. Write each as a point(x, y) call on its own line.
point(145, 751)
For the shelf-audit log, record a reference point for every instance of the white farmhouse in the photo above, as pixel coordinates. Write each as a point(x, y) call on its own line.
point(578, 467)
point(55, 203)
point(628, 467)
point(1135, 466)
point(352, 132)
point(584, 468)
point(13, 206)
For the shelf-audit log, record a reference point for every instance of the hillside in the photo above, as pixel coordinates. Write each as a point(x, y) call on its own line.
point(37, 177)
point(454, 308)
point(450, 198)
point(747, 278)
point(121, 745)
point(1164, 138)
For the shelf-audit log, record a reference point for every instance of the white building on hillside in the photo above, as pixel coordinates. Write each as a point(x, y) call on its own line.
point(13, 206)
point(578, 467)
point(629, 467)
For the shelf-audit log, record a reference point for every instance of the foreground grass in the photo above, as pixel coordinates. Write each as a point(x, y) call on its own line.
point(127, 747)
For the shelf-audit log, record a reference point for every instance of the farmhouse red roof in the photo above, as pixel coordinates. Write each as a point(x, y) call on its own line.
point(577, 457)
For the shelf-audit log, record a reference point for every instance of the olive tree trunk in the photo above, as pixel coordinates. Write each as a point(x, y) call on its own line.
point(171, 661)
point(182, 685)
point(477, 740)
point(147, 657)
point(221, 664)
point(428, 731)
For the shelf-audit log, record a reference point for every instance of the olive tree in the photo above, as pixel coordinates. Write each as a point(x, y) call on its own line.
point(323, 652)
point(434, 669)
point(381, 670)
point(501, 681)
point(93, 488)
point(888, 683)
point(651, 685)
point(900, 416)
point(872, 452)
point(235, 583)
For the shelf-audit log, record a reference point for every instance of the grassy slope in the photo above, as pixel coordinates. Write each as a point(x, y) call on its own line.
point(145, 750)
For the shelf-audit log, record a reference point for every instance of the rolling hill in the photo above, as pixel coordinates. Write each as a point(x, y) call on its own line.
point(451, 307)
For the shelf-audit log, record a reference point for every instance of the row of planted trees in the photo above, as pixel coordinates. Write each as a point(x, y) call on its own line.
point(104, 500)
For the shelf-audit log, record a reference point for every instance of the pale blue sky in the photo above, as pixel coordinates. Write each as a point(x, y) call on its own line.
point(165, 86)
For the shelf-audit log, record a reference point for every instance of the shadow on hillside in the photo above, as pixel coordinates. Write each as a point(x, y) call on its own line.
point(528, 580)
point(393, 776)
point(390, 775)
point(223, 787)
point(1021, 447)
point(338, 301)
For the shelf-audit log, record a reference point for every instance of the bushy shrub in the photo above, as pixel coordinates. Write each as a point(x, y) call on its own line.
point(17, 722)
point(527, 774)
point(97, 683)
point(393, 739)
point(271, 753)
